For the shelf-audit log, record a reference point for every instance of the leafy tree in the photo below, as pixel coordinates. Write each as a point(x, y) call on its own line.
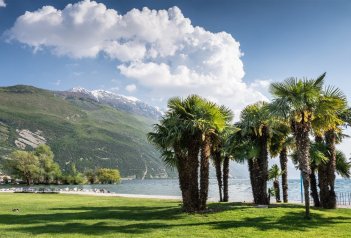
point(25, 165)
point(108, 176)
point(296, 100)
point(91, 176)
point(74, 177)
point(49, 170)
point(6, 180)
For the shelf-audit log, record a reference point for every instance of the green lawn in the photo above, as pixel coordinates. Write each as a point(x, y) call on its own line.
point(87, 216)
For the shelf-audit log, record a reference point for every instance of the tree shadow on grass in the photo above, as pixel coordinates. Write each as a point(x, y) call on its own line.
point(126, 213)
point(144, 219)
point(292, 221)
point(220, 207)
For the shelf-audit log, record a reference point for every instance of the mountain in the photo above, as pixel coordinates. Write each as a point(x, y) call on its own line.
point(89, 128)
point(120, 102)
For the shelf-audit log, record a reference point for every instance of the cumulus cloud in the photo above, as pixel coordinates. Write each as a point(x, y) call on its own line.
point(2, 3)
point(131, 87)
point(161, 49)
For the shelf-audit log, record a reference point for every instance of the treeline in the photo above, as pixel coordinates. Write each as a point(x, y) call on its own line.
point(194, 131)
point(39, 167)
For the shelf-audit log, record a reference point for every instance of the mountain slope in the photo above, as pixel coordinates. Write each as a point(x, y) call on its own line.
point(91, 133)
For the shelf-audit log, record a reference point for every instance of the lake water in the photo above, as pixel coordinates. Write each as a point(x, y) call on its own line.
point(239, 189)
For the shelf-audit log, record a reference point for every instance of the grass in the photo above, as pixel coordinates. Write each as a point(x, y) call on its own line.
point(57, 215)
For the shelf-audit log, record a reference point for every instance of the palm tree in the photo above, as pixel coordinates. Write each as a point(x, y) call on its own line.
point(243, 147)
point(281, 144)
point(296, 100)
point(319, 157)
point(225, 178)
point(343, 165)
point(255, 125)
point(273, 174)
point(184, 132)
point(213, 119)
point(220, 158)
point(179, 142)
point(328, 122)
point(217, 162)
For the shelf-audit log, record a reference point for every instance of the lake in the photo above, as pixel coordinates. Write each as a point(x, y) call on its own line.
point(239, 189)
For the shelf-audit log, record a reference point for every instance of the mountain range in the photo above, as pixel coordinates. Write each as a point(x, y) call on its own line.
point(89, 128)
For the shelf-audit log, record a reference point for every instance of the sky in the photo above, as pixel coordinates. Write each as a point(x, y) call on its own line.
point(228, 51)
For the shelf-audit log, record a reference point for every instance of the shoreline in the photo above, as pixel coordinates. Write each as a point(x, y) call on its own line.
point(143, 196)
point(165, 197)
point(123, 195)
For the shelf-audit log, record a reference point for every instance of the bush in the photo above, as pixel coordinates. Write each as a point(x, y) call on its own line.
point(108, 176)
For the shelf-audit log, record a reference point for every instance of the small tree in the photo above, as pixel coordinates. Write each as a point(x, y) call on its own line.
point(5, 179)
point(91, 176)
point(74, 176)
point(108, 176)
point(273, 174)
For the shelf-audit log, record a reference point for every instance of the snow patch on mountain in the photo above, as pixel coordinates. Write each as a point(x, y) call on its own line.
point(121, 102)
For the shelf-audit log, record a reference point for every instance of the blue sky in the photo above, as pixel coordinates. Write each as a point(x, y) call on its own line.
point(277, 39)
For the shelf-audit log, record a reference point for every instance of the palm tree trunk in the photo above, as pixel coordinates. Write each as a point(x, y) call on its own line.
point(283, 156)
point(327, 184)
point(250, 164)
point(183, 184)
point(217, 162)
point(225, 178)
point(314, 190)
point(204, 171)
point(188, 178)
point(301, 132)
point(276, 190)
point(253, 170)
point(193, 168)
point(262, 173)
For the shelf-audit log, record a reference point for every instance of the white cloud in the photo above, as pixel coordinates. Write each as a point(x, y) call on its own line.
point(161, 49)
point(2, 3)
point(131, 87)
point(57, 82)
